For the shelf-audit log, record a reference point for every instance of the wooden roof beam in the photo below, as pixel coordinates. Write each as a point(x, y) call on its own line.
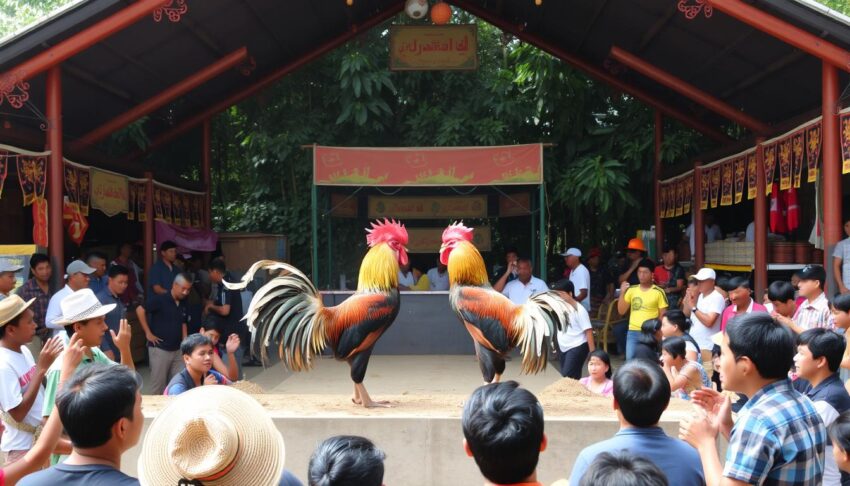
point(777, 65)
point(157, 101)
point(594, 71)
point(689, 91)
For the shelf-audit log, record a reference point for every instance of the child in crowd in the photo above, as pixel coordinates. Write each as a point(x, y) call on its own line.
point(841, 316)
point(781, 296)
point(685, 375)
point(599, 374)
point(839, 435)
point(674, 323)
point(648, 343)
point(623, 469)
point(212, 330)
point(346, 460)
point(197, 351)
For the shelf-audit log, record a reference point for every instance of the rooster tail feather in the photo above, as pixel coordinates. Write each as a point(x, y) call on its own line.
point(535, 325)
point(286, 311)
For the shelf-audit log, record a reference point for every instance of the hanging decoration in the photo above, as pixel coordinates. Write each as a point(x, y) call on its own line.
point(769, 168)
point(715, 185)
point(680, 197)
point(441, 13)
point(416, 9)
point(5, 160)
point(173, 11)
point(141, 201)
point(740, 178)
point(39, 219)
point(692, 8)
point(785, 165)
point(688, 182)
point(132, 196)
point(727, 173)
point(797, 142)
point(813, 144)
point(845, 142)
point(704, 191)
point(752, 176)
point(14, 90)
point(75, 223)
point(32, 175)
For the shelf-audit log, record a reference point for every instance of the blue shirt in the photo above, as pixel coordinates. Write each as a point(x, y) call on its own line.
point(96, 284)
point(166, 318)
point(161, 275)
point(183, 382)
point(830, 399)
point(778, 439)
point(113, 321)
point(676, 458)
point(88, 475)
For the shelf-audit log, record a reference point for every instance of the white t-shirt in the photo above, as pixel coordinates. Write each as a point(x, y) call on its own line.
point(574, 335)
point(831, 474)
point(714, 302)
point(437, 280)
point(842, 251)
point(16, 372)
point(580, 277)
point(405, 279)
point(750, 234)
point(519, 292)
point(54, 311)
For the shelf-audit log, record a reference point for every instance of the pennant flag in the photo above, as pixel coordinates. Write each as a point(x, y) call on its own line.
point(740, 178)
point(785, 164)
point(797, 141)
point(813, 144)
point(752, 182)
point(769, 168)
point(715, 185)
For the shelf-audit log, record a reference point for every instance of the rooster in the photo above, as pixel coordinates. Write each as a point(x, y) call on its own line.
point(289, 311)
point(496, 324)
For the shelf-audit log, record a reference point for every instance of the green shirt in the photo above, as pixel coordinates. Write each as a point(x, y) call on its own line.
point(51, 384)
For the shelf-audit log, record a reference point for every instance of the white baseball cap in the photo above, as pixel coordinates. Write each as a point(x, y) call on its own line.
point(8, 266)
point(705, 274)
point(572, 252)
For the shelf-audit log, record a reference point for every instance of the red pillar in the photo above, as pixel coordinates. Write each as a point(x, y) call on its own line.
point(148, 247)
point(760, 219)
point(206, 156)
point(831, 166)
point(699, 225)
point(55, 175)
point(659, 228)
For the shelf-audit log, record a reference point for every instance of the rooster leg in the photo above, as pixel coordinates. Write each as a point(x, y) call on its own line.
point(492, 365)
point(358, 371)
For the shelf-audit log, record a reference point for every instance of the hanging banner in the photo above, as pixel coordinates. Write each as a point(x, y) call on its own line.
point(769, 168)
point(142, 201)
point(39, 222)
point(429, 240)
point(343, 205)
point(680, 197)
point(517, 204)
point(662, 200)
point(689, 195)
point(5, 159)
point(705, 182)
point(427, 207)
point(845, 142)
point(32, 175)
point(455, 166)
point(727, 173)
point(797, 141)
point(714, 173)
point(433, 47)
point(132, 192)
point(109, 192)
point(813, 144)
point(671, 200)
point(752, 176)
point(85, 192)
point(785, 165)
point(157, 204)
point(740, 178)
point(167, 213)
point(197, 218)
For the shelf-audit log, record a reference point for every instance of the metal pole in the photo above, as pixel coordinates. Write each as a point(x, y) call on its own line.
point(534, 258)
point(831, 167)
point(760, 223)
point(543, 230)
point(698, 229)
point(55, 175)
point(314, 216)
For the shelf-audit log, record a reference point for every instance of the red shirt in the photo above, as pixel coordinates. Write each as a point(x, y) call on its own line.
point(730, 312)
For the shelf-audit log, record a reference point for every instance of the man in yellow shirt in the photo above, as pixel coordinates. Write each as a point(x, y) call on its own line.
point(645, 301)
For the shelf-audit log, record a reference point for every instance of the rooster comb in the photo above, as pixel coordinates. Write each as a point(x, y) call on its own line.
point(457, 231)
point(386, 231)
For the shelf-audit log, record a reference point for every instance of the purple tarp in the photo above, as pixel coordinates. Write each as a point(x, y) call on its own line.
point(187, 239)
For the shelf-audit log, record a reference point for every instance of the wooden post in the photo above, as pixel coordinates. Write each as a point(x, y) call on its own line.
point(699, 225)
point(206, 156)
point(659, 223)
point(55, 176)
point(760, 223)
point(149, 229)
point(831, 168)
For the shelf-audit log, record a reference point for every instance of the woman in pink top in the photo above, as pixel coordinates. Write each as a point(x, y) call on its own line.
point(599, 369)
point(742, 300)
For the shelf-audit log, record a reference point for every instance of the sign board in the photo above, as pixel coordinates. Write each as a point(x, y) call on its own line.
point(109, 192)
point(427, 207)
point(433, 47)
point(343, 206)
point(518, 204)
point(429, 240)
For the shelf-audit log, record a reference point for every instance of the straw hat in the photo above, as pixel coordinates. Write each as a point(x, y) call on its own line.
point(11, 307)
point(216, 435)
point(80, 306)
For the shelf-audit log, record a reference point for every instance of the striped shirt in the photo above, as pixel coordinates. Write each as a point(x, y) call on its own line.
point(814, 314)
point(778, 439)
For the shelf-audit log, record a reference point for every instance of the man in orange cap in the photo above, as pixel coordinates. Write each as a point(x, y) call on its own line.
point(635, 252)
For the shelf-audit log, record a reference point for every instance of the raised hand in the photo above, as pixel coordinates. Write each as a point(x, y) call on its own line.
point(49, 353)
point(716, 406)
point(232, 344)
point(122, 339)
point(210, 380)
point(72, 357)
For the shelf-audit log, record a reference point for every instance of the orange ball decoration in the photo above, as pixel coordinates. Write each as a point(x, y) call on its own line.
point(441, 13)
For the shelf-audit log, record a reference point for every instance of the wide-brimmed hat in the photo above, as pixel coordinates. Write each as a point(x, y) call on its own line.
point(636, 244)
point(213, 434)
point(11, 307)
point(80, 306)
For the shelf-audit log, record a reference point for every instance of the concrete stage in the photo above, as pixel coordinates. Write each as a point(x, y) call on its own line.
point(421, 434)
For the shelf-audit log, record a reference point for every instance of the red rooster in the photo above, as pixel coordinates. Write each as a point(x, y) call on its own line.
point(496, 324)
point(288, 310)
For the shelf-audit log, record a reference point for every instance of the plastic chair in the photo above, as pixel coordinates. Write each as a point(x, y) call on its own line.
point(603, 325)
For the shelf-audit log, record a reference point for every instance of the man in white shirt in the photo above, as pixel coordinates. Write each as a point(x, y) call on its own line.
point(21, 395)
point(712, 232)
point(525, 285)
point(704, 305)
point(438, 278)
point(579, 276)
point(406, 279)
point(575, 342)
point(78, 278)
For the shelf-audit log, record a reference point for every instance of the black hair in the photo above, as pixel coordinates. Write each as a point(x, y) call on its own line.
point(512, 249)
point(642, 392)
point(674, 345)
point(722, 281)
point(768, 344)
point(191, 343)
point(647, 263)
point(647, 333)
point(668, 248)
point(678, 319)
point(565, 285)
point(824, 343)
point(94, 399)
point(167, 245)
point(503, 426)
point(213, 322)
point(95, 254)
point(69, 328)
point(217, 264)
point(346, 460)
point(12, 322)
point(116, 270)
point(841, 302)
point(122, 245)
point(37, 258)
point(602, 356)
point(738, 282)
point(780, 291)
point(839, 431)
point(622, 469)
